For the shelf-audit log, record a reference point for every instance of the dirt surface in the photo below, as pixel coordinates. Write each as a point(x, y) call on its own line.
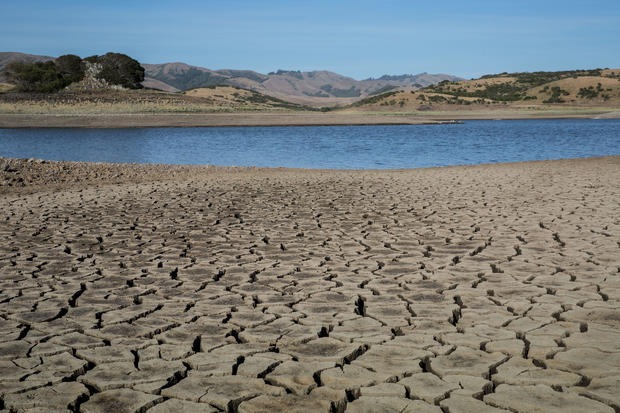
point(491, 288)
point(206, 119)
point(145, 120)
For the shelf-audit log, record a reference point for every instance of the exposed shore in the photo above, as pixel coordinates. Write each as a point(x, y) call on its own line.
point(141, 120)
point(203, 119)
point(183, 288)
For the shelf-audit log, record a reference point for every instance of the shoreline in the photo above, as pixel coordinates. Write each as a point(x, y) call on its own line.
point(19, 175)
point(171, 120)
point(253, 119)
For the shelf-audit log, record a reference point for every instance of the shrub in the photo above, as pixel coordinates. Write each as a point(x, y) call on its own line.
point(587, 92)
point(42, 77)
point(374, 99)
point(556, 93)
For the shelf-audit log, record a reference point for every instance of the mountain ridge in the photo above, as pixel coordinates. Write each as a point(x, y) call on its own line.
point(302, 86)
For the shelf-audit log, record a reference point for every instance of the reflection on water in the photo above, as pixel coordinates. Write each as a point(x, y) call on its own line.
point(341, 147)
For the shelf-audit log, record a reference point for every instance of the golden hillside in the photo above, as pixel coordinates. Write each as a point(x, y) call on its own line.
point(583, 90)
point(571, 88)
point(205, 100)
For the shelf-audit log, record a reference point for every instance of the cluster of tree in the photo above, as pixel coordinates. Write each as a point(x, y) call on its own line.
point(540, 78)
point(47, 76)
point(508, 91)
point(556, 94)
point(590, 92)
point(294, 73)
point(54, 75)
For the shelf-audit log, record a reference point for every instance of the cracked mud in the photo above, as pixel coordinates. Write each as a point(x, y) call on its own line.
point(163, 289)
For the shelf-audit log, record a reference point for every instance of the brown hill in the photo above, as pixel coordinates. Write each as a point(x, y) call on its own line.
point(151, 83)
point(571, 88)
point(583, 90)
point(317, 88)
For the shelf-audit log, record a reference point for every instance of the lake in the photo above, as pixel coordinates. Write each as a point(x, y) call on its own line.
point(337, 147)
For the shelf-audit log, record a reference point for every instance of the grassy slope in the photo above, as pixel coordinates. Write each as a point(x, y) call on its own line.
point(205, 100)
point(506, 92)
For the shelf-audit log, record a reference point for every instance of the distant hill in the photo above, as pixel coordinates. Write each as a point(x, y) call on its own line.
point(596, 87)
point(302, 87)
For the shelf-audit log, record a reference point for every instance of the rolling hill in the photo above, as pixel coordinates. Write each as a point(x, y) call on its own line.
point(309, 88)
point(595, 88)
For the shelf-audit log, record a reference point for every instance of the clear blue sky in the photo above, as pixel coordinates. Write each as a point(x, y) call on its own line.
point(357, 38)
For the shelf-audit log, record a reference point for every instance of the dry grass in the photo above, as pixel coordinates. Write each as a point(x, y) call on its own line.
point(5, 87)
point(420, 100)
point(611, 73)
point(214, 100)
point(227, 93)
point(429, 102)
point(610, 87)
point(115, 108)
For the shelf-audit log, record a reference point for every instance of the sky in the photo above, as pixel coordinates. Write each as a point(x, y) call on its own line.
point(356, 38)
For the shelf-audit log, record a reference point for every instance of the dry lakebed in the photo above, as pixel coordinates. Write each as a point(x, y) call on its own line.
point(133, 288)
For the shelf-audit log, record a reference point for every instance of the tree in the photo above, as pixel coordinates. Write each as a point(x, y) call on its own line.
point(120, 69)
point(52, 76)
point(41, 77)
point(70, 67)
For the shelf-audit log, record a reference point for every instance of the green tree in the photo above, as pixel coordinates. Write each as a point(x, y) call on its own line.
point(43, 77)
point(52, 76)
point(120, 69)
point(70, 67)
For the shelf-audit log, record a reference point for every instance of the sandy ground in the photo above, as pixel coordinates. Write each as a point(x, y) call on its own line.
point(205, 119)
point(163, 289)
point(286, 118)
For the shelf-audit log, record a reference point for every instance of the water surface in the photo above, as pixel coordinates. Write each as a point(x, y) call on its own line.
point(338, 147)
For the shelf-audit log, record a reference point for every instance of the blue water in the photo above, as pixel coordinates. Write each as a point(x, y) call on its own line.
point(339, 147)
